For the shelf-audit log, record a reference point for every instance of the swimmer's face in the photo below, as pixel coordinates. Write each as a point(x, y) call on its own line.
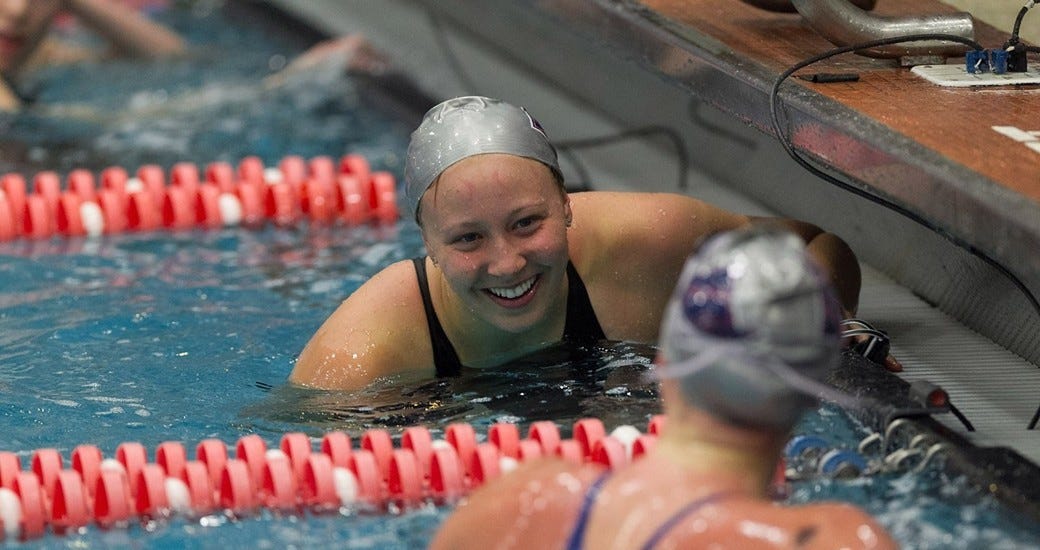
point(23, 24)
point(496, 225)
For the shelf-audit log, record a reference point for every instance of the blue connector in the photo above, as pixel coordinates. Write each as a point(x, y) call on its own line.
point(998, 60)
point(976, 61)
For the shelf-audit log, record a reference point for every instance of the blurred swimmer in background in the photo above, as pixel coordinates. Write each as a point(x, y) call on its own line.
point(26, 41)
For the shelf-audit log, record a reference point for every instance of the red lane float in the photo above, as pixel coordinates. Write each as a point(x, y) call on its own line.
point(292, 476)
point(277, 485)
point(82, 183)
point(36, 218)
point(14, 189)
point(318, 486)
point(507, 438)
point(253, 450)
point(418, 440)
point(319, 190)
point(86, 459)
point(337, 446)
point(222, 175)
point(10, 467)
point(69, 217)
point(111, 503)
point(8, 224)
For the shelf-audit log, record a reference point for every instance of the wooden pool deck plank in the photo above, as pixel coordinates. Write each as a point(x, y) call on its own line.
point(954, 122)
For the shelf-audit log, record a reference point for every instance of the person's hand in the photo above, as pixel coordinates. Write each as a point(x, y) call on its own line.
point(9, 101)
point(869, 342)
point(331, 59)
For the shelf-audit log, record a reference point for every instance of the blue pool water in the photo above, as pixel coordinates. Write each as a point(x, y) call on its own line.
point(187, 336)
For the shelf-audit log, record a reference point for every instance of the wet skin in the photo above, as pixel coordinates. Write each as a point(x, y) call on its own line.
point(496, 228)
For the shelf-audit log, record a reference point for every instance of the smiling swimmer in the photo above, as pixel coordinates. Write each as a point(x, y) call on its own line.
point(515, 263)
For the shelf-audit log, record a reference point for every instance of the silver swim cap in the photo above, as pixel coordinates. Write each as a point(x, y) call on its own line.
point(466, 126)
point(751, 325)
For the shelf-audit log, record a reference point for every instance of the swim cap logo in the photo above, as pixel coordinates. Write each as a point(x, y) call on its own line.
point(473, 104)
point(534, 124)
point(706, 304)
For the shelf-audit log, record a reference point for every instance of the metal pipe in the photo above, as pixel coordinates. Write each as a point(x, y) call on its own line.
point(844, 24)
point(787, 7)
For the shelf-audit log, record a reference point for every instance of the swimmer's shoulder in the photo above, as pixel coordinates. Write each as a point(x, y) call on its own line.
point(390, 304)
point(391, 295)
point(379, 330)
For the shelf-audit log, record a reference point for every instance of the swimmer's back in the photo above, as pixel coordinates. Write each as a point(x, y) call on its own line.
point(751, 524)
point(546, 498)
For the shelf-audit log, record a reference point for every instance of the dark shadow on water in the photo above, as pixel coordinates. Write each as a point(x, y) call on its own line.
point(607, 380)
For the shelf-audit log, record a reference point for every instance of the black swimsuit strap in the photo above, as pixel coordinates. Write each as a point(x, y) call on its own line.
point(581, 323)
point(445, 360)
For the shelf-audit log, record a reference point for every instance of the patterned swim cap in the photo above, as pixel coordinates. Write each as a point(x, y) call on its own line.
point(465, 126)
point(751, 325)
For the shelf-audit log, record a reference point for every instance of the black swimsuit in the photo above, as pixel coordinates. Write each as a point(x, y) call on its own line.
point(581, 323)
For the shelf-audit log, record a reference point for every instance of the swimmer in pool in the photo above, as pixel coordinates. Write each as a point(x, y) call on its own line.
point(25, 42)
point(750, 320)
point(515, 263)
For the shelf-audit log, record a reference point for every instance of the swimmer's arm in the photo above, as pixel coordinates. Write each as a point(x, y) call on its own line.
point(130, 32)
point(839, 262)
point(8, 99)
point(833, 255)
point(378, 331)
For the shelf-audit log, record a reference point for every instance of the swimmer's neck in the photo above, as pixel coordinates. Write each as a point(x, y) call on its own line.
point(698, 443)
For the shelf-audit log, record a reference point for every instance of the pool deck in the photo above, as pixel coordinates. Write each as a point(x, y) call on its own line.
point(704, 68)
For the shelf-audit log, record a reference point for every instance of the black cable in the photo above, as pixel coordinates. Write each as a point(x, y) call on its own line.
point(960, 416)
point(1018, 25)
point(774, 107)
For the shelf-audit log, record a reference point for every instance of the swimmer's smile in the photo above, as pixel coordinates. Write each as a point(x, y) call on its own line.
point(514, 296)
